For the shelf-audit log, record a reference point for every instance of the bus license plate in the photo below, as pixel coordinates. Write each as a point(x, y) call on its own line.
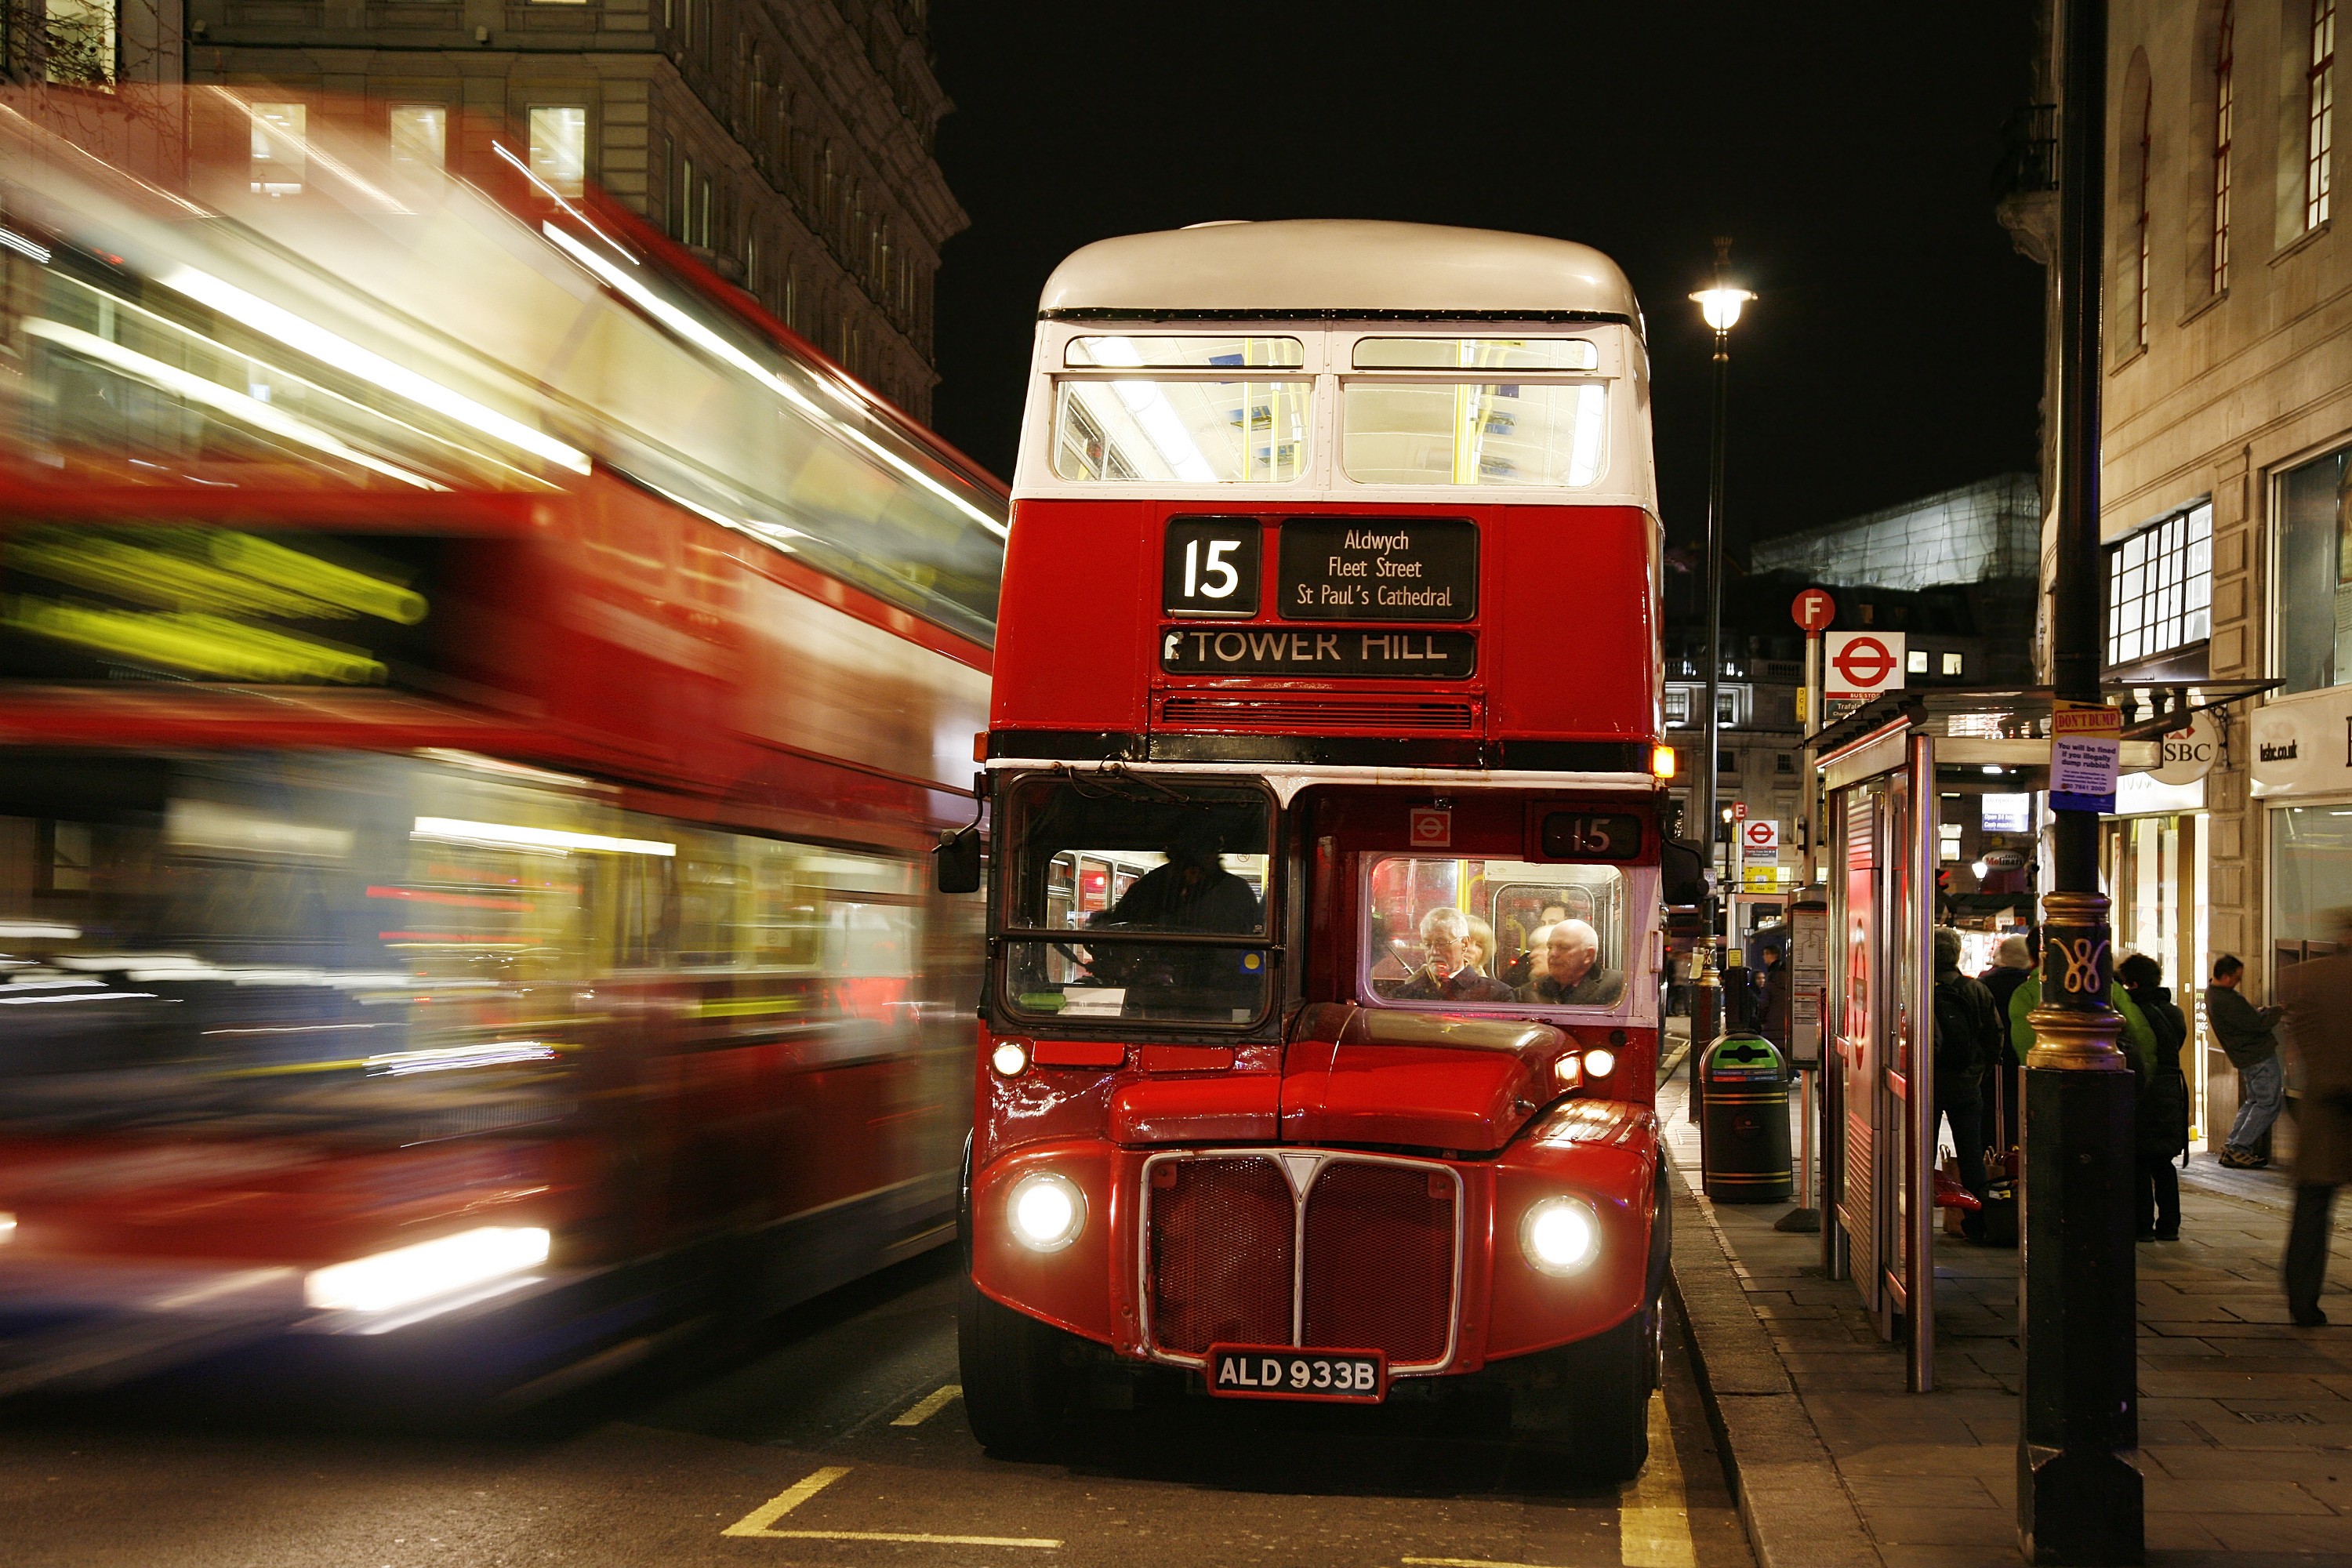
point(1281, 1371)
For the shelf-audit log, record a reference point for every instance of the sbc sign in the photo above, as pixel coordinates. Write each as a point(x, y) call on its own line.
point(1857, 665)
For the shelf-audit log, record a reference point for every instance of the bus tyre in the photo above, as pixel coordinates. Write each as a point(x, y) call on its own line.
point(1589, 1403)
point(1014, 1387)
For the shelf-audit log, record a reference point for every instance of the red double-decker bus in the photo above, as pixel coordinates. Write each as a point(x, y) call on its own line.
point(1322, 1009)
point(475, 696)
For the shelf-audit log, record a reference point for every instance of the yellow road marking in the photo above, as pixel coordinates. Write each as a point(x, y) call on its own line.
point(759, 1523)
point(1652, 1513)
point(902, 1536)
point(1466, 1563)
point(928, 1405)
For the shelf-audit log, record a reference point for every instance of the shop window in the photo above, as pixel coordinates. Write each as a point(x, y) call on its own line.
point(1947, 842)
point(2008, 813)
point(2161, 587)
point(2311, 879)
point(2312, 605)
point(1955, 664)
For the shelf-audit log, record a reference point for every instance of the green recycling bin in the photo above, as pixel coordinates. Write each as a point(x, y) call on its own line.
point(1746, 1133)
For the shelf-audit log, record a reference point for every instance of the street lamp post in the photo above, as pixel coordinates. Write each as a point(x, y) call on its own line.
point(2079, 1491)
point(1719, 306)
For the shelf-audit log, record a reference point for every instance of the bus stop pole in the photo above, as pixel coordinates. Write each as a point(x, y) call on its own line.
point(1919, 1176)
point(2079, 1491)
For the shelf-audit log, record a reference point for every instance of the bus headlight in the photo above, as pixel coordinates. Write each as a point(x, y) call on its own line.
point(1010, 1058)
point(1599, 1063)
point(1560, 1236)
point(1046, 1211)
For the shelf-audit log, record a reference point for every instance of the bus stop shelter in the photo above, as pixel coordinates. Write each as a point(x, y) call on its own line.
point(1883, 771)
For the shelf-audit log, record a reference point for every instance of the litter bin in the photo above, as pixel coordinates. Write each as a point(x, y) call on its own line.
point(1746, 1130)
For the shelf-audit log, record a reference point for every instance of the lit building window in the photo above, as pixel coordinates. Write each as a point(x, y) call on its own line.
point(2224, 108)
point(1955, 664)
point(2319, 138)
point(420, 135)
point(280, 148)
point(1947, 836)
point(558, 148)
point(1727, 708)
point(1677, 705)
point(1914, 662)
point(2161, 587)
point(81, 43)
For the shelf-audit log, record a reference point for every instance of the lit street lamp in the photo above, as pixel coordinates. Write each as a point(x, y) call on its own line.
point(1719, 307)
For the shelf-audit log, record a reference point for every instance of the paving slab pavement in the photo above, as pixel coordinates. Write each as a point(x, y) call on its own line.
point(2245, 1420)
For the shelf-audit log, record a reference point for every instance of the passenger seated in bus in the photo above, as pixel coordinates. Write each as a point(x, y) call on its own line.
point(1573, 974)
point(1481, 946)
point(1521, 969)
point(1447, 975)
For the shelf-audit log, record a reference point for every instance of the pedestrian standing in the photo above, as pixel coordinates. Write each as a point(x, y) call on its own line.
point(2318, 998)
point(1772, 998)
point(2012, 961)
point(2249, 1037)
point(2163, 1100)
point(1967, 1031)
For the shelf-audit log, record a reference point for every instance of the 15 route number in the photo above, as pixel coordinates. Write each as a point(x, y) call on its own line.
point(1211, 567)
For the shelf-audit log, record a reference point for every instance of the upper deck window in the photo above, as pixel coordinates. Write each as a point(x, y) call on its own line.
point(1473, 433)
point(1186, 431)
point(1185, 353)
point(1479, 353)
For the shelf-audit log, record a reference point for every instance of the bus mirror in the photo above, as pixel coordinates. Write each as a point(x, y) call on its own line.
point(955, 862)
point(1682, 872)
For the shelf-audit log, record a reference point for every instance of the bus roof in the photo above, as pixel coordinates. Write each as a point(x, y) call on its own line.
point(1338, 267)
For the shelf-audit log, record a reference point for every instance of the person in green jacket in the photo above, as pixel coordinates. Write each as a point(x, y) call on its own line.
point(2137, 1038)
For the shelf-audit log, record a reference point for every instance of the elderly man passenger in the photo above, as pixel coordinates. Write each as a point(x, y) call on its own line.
point(1572, 973)
point(1450, 973)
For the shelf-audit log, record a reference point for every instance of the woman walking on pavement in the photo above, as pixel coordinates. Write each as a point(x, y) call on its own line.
point(2162, 1099)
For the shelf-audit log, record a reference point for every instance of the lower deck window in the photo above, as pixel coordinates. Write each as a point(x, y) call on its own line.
point(1440, 930)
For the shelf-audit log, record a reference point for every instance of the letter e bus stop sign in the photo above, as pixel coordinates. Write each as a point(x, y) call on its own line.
point(1431, 828)
point(1861, 664)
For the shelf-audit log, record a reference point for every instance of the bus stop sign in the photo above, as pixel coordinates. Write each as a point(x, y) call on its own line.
point(1862, 665)
point(1813, 610)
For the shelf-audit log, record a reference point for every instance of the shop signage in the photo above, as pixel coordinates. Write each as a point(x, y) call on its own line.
point(2004, 860)
point(2188, 754)
point(2302, 745)
point(1378, 569)
point(1861, 664)
point(2086, 743)
point(1280, 650)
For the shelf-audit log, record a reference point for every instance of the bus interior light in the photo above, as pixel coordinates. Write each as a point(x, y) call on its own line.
point(1046, 1211)
point(507, 836)
point(1560, 1236)
point(7, 1227)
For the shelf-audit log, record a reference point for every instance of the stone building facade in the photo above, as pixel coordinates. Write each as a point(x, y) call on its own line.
point(788, 142)
point(2226, 526)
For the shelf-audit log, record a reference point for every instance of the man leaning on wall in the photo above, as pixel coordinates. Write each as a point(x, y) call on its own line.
point(2247, 1036)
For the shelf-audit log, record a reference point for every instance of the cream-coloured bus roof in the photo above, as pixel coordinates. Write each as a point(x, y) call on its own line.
point(1337, 267)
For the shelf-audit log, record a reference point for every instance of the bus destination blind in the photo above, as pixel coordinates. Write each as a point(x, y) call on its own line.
point(1378, 569)
point(1275, 650)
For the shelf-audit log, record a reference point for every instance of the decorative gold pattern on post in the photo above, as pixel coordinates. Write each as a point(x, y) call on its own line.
point(2073, 1028)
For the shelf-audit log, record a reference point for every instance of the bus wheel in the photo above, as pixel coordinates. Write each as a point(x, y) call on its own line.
point(1014, 1387)
point(1591, 1405)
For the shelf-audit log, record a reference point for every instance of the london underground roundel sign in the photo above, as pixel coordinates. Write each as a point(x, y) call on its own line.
point(1861, 664)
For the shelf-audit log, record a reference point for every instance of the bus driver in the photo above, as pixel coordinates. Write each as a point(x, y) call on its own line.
point(1573, 975)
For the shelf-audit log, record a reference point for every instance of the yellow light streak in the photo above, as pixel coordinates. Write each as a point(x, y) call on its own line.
point(198, 643)
point(308, 575)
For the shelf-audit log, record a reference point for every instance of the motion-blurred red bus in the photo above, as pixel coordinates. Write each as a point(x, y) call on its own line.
point(474, 696)
point(1322, 1009)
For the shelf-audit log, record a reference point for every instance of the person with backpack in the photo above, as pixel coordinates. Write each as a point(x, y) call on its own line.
point(1968, 1032)
point(2163, 1100)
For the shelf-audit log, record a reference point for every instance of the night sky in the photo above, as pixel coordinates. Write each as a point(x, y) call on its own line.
point(1848, 150)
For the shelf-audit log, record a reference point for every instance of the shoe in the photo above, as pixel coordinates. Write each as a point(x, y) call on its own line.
point(2167, 1236)
point(2308, 1317)
point(2145, 1235)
